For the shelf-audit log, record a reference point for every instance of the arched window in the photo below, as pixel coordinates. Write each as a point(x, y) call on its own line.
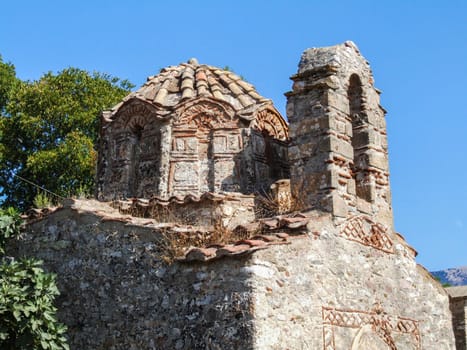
point(360, 139)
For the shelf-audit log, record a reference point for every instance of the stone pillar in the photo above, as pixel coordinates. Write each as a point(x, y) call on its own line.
point(338, 151)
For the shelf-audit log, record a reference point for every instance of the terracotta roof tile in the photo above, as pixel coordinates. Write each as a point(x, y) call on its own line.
point(240, 248)
point(200, 254)
point(175, 84)
point(282, 235)
point(285, 221)
point(248, 227)
point(271, 223)
point(294, 222)
point(232, 249)
point(266, 238)
point(254, 242)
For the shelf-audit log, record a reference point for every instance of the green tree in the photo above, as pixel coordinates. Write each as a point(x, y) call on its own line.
point(48, 132)
point(27, 314)
point(7, 80)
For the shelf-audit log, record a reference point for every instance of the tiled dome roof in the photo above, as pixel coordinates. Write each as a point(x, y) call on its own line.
point(177, 84)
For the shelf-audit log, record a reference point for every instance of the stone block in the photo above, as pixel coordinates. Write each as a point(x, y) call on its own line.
point(339, 146)
point(304, 126)
point(341, 127)
point(376, 119)
point(335, 204)
point(323, 180)
point(351, 187)
point(290, 109)
point(377, 159)
point(302, 150)
point(384, 216)
point(337, 100)
point(364, 206)
point(360, 137)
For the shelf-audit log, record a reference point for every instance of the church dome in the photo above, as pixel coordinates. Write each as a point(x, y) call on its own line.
point(175, 85)
point(189, 130)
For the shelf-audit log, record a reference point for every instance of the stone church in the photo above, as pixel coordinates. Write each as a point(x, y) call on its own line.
point(179, 252)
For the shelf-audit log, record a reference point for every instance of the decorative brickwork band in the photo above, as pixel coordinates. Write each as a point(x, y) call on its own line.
point(365, 231)
point(383, 325)
point(269, 121)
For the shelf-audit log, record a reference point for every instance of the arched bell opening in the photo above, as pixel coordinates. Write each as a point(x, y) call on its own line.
point(360, 139)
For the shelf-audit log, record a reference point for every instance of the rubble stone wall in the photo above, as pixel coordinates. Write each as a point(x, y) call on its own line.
point(329, 292)
point(326, 290)
point(117, 292)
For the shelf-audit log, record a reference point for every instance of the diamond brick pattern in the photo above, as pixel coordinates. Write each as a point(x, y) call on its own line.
point(365, 231)
point(382, 324)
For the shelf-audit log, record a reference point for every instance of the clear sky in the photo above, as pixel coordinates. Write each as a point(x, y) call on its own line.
point(417, 49)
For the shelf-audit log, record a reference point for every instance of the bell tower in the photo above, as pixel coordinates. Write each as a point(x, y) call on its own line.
point(338, 152)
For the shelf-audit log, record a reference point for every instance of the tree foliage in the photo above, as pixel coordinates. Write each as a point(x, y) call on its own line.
point(49, 129)
point(7, 80)
point(10, 223)
point(27, 314)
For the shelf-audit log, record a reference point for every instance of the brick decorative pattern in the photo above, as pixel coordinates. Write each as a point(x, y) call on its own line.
point(365, 231)
point(381, 323)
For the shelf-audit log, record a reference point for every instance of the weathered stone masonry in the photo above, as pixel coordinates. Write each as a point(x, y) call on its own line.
point(338, 152)
point(319, 291)
point(199, 140)
point(189, 130)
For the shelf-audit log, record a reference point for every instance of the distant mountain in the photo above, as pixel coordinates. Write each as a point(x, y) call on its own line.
point(455, 276)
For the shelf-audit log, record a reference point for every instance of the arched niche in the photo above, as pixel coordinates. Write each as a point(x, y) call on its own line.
point(205, 147)
point(269, 139)
point(136, 155)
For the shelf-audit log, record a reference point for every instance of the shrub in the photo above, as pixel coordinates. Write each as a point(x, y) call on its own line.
point(27, 314)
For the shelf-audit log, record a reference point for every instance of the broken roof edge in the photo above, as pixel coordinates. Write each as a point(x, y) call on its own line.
point(283, 228)
point(272, 230)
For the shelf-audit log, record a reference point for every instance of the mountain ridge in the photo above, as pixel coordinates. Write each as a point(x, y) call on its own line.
point(456, 276)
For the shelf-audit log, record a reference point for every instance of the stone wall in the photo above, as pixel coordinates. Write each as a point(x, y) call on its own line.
point(458, 305)
point(329, 289)
point(117, 292)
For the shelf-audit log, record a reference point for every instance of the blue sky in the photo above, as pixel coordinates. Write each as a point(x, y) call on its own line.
point(417, 49)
